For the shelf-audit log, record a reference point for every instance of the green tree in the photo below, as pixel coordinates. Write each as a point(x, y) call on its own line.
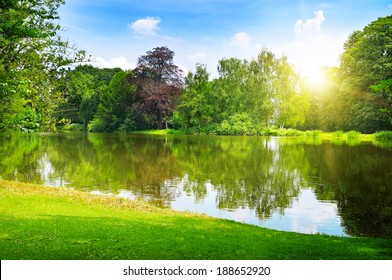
point(116, 105)
point(291, 104)
point(366, 61)
point(196, 110)
point(384, 89)
point(248, 94)
point(31, 60)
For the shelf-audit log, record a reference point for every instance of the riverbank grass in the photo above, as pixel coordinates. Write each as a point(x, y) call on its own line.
point(40, 222)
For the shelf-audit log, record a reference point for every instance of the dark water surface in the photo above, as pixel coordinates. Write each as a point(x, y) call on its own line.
point(287, 184)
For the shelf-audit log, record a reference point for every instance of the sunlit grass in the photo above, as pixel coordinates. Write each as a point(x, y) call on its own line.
point(334, 137)
point(159, 132)
point(54, 223)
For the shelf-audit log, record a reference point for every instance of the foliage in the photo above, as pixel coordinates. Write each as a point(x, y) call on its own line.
point(366, 61)
point(73, 127)
point(383, 136)
point(117, 101)
point(238, 124)
point(81, 93)
point(384, 88)
point(353, 135)
point(313, 133)
point(338, 134)
point(159, 83)
point(197, 106)
point(31, 60)
point(256, 94)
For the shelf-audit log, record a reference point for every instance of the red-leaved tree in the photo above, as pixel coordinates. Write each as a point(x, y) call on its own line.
point(159, 83)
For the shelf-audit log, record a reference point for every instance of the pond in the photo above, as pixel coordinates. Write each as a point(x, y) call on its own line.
point(290, 184)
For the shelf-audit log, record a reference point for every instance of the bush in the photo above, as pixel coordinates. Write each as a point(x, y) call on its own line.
point(312, 133)
point(27, 120)
point(289, 132)
point(238, 124)
point(73, 127)
point(383, 136)
point(269, 131)
point(353, 135)
point(338, 134)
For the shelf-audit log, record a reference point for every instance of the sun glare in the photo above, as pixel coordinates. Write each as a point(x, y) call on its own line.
point(315, 78)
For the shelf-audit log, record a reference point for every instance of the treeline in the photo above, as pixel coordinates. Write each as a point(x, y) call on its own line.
point(41, 89)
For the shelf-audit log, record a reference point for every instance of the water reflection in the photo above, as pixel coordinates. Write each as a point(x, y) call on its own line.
point(288, 184)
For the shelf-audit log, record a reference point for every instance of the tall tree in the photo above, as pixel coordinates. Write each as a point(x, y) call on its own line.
point(159, 83)
point(196, 110)
point(31, 56)
point(116, 105)
point(366, 61)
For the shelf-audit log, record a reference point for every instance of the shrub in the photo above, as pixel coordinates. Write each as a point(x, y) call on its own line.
point(238, 124)
point(338, 134)
point(73, 127)
point(313, 133)
point(269, 131)
point(353, 135)
point(289, 132)
point(383, 136)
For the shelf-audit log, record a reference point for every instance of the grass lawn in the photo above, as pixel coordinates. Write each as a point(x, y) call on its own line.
point(38, 222)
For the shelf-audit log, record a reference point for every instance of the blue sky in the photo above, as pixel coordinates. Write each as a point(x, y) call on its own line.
point(310, 33)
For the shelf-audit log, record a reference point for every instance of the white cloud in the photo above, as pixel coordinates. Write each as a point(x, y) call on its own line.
point(240, 39)
point(146, 26)
point(197, 57)
point(310, 26)
point(120, 61)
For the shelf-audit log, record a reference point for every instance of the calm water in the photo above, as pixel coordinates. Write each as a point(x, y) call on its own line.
point(285, 184)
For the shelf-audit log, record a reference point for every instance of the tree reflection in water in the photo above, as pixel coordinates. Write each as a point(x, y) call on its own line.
point(264, 176)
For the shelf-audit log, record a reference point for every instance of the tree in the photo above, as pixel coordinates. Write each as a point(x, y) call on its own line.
point(116, 105)
point(31, 60)
point(247, 96)
point(196, 110)
point(366, 61)
point(384, 88)
point(159, 83)
point(81, 92)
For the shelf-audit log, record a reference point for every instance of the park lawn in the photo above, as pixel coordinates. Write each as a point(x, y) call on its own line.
point(39, 222)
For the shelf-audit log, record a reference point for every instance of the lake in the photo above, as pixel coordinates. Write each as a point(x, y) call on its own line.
point(291, 184)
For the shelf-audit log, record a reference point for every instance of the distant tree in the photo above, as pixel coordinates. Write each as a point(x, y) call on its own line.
point(81, 92)
point(116, 105)
point(159, 83)
point(197, 110)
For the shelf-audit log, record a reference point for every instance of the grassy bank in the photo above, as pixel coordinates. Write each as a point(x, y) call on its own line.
point(52, 223)
point(350, 136)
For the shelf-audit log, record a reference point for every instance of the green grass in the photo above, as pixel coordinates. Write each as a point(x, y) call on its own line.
point(39, 222)
point(337, 137)
point(159, 132)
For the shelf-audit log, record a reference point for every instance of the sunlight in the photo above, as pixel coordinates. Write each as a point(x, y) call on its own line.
point(314, 77)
